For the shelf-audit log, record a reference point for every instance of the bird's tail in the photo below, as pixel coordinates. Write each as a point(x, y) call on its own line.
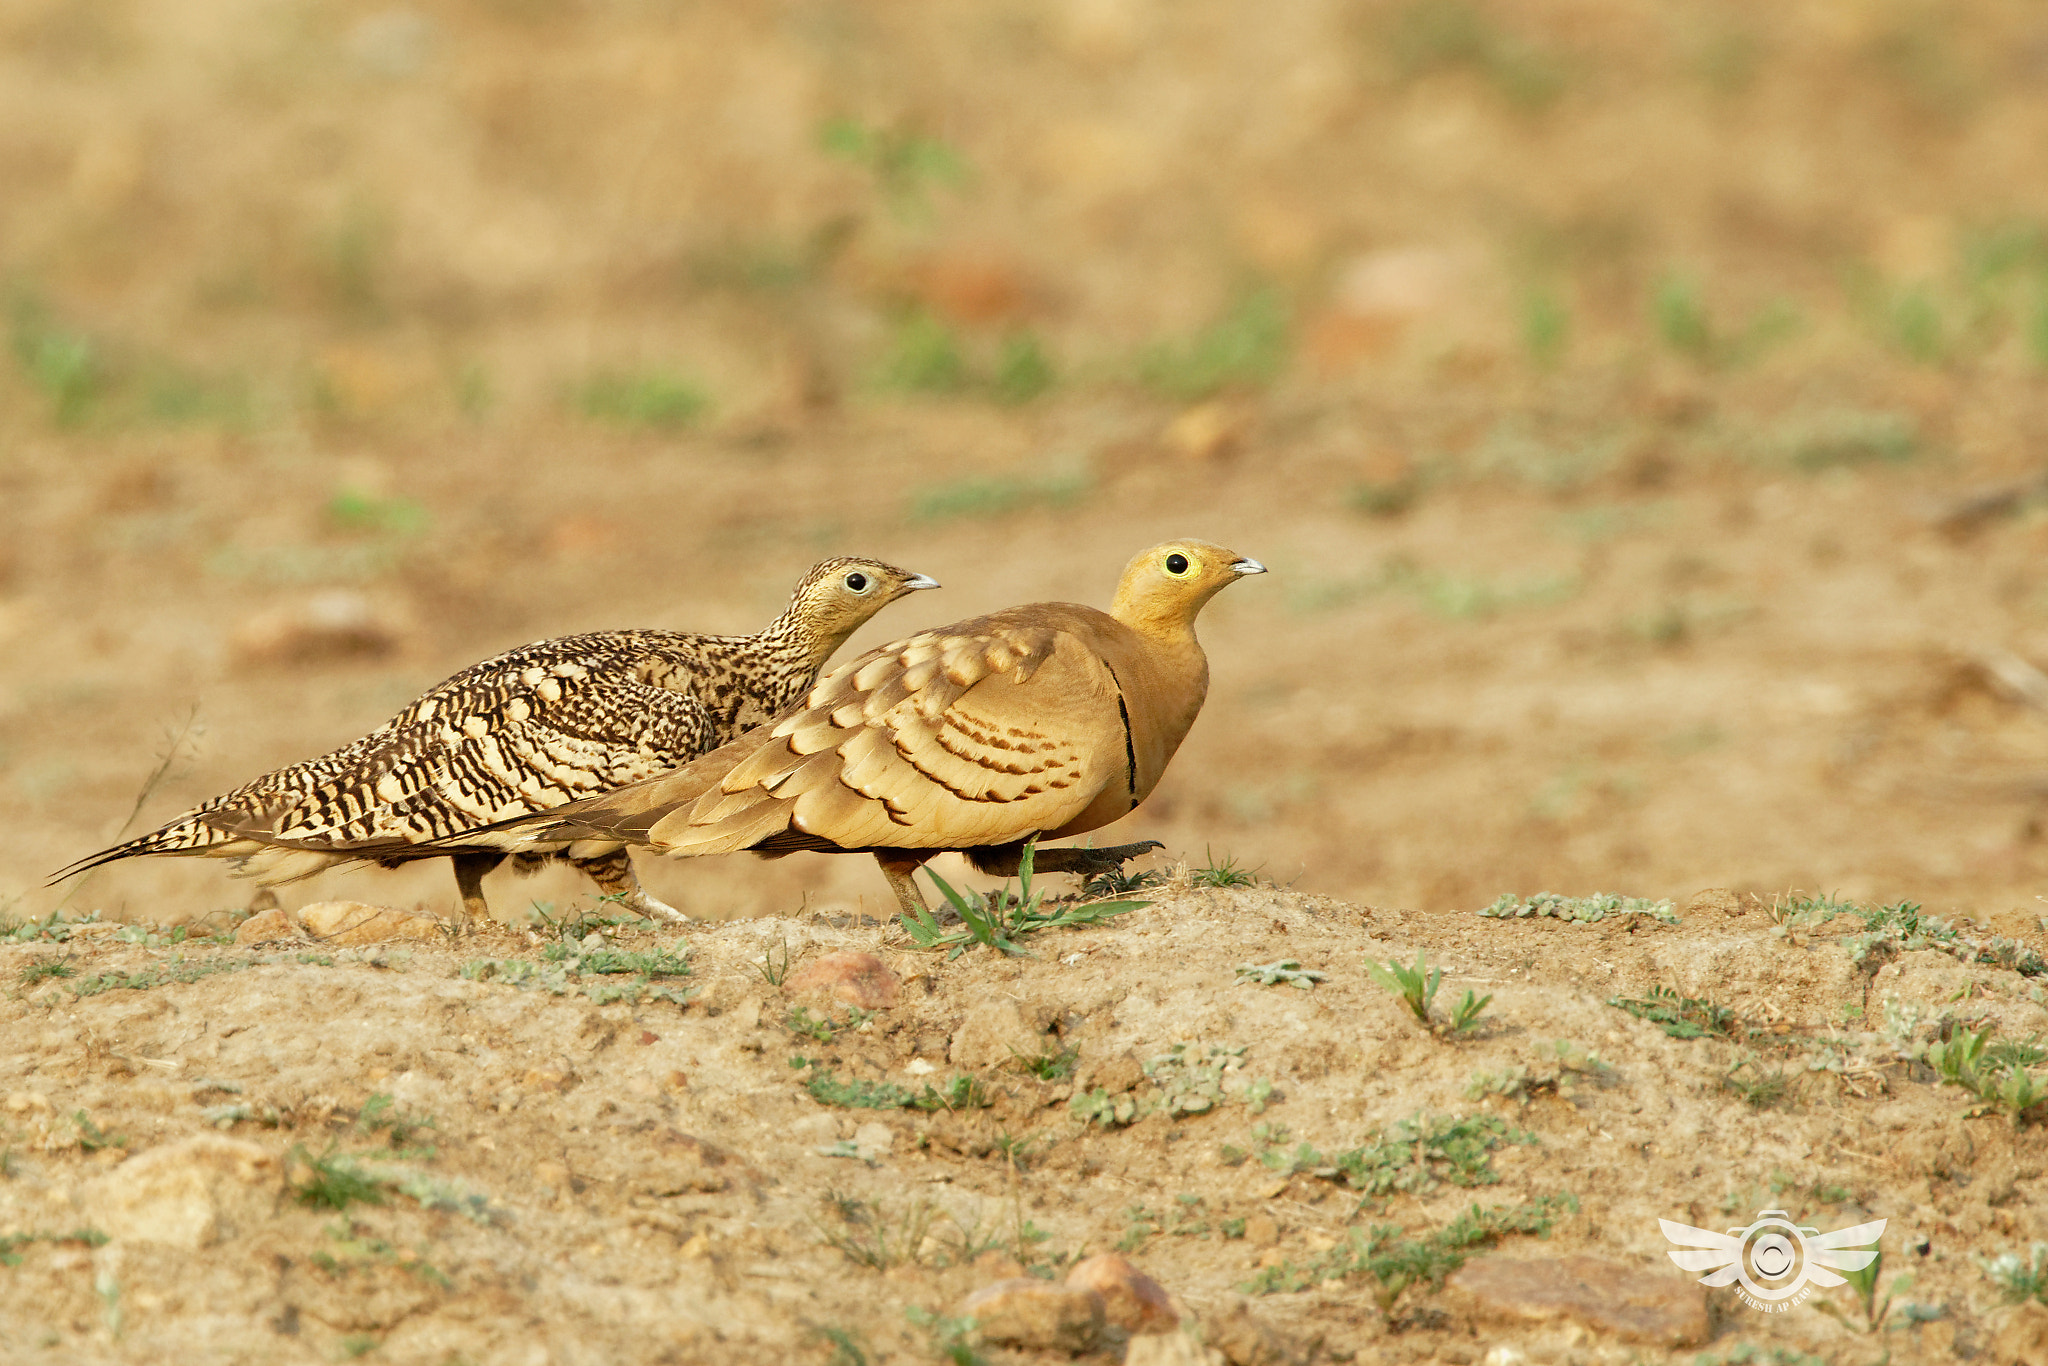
point(189, 835)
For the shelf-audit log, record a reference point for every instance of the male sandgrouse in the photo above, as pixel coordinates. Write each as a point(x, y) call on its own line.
point(1044, 720)
point(526, 731)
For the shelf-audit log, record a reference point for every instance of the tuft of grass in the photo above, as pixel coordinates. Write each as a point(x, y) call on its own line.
point(65, 365)
point(1683, 323)
point(1427, 36)
point(1559, 1068)
point(159, 974)
point(42, 969)
point(1966, 1059)
point(868, 1235)
point(1760, 1089)
point(12, 1243)
point(1583, 909)
point(1244, 349)
point(644, 398)
point(353, 509)
point(924, 356)
point(1225, 874)
point(381, 1114)
point(353, 1247)
point(827, 1088)
point(1023, 370)
point(906, 166)
point(1546, 327)
point(2018, 1278)
point(999, 919)
point(1396, 1262)
point(1286, 972)
point(1049, 1065)
point(1683, 1017)
point(847, 1347)
point(773, 970)
point(333, 1181)
point(998, 496)
point(1848, 438)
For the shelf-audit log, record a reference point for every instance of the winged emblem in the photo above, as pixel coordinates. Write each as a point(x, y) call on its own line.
point(1779, 1248)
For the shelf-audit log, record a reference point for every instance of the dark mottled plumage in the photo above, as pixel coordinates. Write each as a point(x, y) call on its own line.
point(524, 732)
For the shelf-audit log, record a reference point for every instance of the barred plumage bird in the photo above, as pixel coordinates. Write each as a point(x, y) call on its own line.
point(1045, 720)
point(523, 732)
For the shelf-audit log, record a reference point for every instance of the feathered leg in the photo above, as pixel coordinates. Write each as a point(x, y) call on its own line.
point(469, 880)
point(614, 874)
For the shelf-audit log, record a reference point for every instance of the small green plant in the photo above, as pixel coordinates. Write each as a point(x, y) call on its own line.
point(1968, 1059)
point(354, 509)
point(999, 919)
point(772, 969)
point(1051, 1065)
point(12, 1243)
point(1559, 1068)
point(160, 974)
point(1023, 371)
point(906, 165)
point(1246, 348)
point(357, 1345)
point(1396, 1262)
point(65, 365)
point(998, 496)
point(1104, 1110)
point(2018, 1278)
point(42, 969)
point(381, 1114)
point(1286, 972)
point(827, 1088)
point(1832, 440)
point(952, 1339)
point(1759, 1089)
point(924, 356)
point(353, 1247)
point(1546, 326)
point(1416, 986)
point(1875, 1309)
point(333, 1181)
point(806, 1023)
point(92, 1138)
point(1224, 874)
point(868, 1235)
point(1683, 1017)
point(643, 399)
point(1413, 1154)
point(846, 1345)
point(1582, 909)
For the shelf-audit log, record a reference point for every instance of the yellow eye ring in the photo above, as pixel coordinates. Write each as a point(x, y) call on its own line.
point(1176, 564)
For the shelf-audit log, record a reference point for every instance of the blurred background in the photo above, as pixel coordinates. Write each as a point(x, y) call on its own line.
point(1640, 404)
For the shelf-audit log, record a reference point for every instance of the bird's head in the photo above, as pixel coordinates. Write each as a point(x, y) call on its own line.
point(1164, 588)
point(839, 595)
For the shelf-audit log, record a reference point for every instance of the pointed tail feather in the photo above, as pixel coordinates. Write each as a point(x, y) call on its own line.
point(179, 837)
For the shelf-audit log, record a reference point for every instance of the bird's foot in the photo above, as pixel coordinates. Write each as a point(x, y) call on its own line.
point(655, 909)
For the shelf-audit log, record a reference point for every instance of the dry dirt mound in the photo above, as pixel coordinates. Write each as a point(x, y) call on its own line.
point(563, 1148)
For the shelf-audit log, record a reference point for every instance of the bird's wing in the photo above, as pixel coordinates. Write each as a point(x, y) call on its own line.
point(1720, 1253)
point(949, 739)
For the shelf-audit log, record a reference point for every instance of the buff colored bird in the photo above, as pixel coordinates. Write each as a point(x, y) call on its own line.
point(1046, 720)
point(526, 731)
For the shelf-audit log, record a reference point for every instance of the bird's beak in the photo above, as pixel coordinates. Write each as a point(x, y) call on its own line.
point(1247, 567)
point(916, 581)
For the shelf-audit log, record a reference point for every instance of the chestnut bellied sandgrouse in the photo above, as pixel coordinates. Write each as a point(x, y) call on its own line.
point(1045, 720)
point(523, 732)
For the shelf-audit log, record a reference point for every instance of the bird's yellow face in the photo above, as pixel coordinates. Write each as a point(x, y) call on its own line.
point(1167, 585)
point(839, 596)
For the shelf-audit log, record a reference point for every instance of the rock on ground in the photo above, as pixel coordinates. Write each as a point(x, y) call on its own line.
point(858, 979)
point(1131, 1300)
point(1612, 1297)
point(189, 1194)
point(1029, 1313)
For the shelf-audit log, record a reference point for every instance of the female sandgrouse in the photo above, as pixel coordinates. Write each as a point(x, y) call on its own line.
point(524, 732)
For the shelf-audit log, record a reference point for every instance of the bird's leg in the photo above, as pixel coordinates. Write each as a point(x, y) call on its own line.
point(897, 866)
point(1004, 860)
point(614, 874)
point(469, 880)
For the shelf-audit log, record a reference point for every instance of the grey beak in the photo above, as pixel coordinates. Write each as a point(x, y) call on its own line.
point(1247, 567)
point(919, 581)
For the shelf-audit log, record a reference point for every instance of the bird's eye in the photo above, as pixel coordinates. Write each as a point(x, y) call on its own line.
point(1176, 564)
point(857, 581)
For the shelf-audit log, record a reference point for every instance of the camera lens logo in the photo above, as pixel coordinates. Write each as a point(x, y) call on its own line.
point(1774, 1263)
